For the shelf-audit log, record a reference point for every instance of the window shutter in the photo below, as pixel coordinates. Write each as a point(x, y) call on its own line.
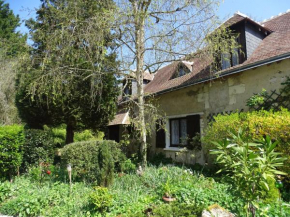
point(160, 137)
point(193, 125)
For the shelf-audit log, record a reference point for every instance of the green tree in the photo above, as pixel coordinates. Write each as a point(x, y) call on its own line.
point(68, 75)
point(12, 43)
point(8, 34)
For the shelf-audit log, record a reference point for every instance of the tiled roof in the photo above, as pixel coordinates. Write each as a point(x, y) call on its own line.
point(275, 44)
point(148, 76)
point(120, 118)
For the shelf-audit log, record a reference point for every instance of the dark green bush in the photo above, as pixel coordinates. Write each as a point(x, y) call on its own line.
point(11, 142)
point(38, 147)
point(93, 160)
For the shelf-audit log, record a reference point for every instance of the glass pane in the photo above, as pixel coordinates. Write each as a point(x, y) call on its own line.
point(181, 72)
point(175, 132)
point(183, 133)
point(226, 61)
point(235, 57)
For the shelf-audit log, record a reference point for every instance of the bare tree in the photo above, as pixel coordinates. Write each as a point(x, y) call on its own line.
point(155, 32)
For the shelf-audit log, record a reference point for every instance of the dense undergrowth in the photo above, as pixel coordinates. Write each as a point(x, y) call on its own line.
point(129, 195)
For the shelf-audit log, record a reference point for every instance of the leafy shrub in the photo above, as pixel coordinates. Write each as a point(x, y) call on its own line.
point(5, 191)
point(11, 142)
point(128, 166)
point(101, 199)
point(248, 165)
point(93, 160)
point(38, 147)
point(257, 125)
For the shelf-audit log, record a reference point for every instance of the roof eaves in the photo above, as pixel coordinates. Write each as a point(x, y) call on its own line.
point(230, 72)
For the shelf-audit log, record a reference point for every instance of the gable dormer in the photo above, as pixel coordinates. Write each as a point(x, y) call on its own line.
point(183, 68)
point(250, 35)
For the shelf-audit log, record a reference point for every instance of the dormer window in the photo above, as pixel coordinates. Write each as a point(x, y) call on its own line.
point(183, 68)
point(181, 72)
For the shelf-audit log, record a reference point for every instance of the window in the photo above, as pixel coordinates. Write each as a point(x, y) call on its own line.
point(127, 92)
point(226, 61)
point(181, 129)
point(181, 72)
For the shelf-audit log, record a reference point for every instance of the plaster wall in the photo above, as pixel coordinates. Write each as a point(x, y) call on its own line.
point(228, 93)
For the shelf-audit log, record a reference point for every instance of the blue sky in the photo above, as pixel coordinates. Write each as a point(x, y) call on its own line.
point(256, 9)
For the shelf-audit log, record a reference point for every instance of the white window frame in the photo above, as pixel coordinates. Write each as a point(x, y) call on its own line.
point(167, 129)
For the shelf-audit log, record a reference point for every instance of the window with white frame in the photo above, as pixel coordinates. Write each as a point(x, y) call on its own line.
point(182, 129)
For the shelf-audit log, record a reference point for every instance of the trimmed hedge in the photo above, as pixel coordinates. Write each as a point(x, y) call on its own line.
point(11, 142)
point(38, 147)
point(93, 161)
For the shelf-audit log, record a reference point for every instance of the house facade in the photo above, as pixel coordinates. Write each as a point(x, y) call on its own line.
point(190, 95)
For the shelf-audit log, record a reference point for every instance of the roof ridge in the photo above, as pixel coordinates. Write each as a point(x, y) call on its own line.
point(241, 14)
point(274, 17)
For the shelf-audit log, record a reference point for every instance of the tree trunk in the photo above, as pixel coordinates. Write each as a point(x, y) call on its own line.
point(69, 133)
point(140, 46)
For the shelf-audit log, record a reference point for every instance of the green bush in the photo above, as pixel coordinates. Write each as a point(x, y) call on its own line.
point(101, 199)
point(249, 166)
point(38, 147)
point(128, 166)
point(93, 160)
point(11, 142)
point(257, 125)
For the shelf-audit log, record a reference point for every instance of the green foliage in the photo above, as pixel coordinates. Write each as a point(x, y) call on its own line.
point(177, 209)
point(50, 199)
point(130, 195)
point(73, 85)
point(257, 125)
point(11, 142)
point(38, 147)
point(248, 165)
point(8, 35)
point(101, 199)
point(134, 194)
point(59, 135)
point(128, 166)
point(5, 191)
point(272, 195)
point(93, 160)
point(257, 99)
point(159, 158)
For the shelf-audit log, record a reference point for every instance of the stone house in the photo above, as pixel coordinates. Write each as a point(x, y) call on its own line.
point(190, 95)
